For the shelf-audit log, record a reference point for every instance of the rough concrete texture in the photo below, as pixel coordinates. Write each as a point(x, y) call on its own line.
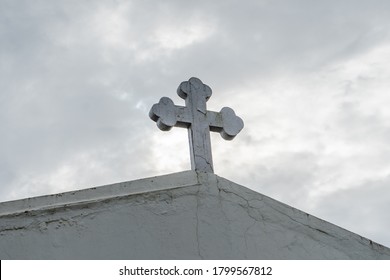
point(185, 215)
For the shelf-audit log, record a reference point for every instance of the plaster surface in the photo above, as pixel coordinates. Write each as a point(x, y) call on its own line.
point(185, 215)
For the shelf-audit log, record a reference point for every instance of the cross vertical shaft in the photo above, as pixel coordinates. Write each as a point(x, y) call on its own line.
point(199, 130)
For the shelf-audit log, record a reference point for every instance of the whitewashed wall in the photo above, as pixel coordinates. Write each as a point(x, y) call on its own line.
point(180, 216)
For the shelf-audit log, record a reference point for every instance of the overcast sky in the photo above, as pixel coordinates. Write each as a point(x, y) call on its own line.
point(310, 79)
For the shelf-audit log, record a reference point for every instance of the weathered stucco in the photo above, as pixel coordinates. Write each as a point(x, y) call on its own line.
point(186, 215)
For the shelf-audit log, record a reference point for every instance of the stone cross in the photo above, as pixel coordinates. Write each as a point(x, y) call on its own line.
point(198, 120)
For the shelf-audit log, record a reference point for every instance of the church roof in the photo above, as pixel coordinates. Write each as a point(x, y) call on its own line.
point(186, 215)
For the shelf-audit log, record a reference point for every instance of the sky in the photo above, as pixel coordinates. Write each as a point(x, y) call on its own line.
point(310, 79)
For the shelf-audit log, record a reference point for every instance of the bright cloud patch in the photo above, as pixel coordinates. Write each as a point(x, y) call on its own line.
point(182, 35)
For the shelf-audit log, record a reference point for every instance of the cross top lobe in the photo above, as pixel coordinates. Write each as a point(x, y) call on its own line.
point(198, 120)
point(194, 86)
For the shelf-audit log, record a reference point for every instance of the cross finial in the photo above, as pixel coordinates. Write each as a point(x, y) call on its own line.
point(198, 120)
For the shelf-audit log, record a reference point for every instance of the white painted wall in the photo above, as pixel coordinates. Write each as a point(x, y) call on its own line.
point(185, 215)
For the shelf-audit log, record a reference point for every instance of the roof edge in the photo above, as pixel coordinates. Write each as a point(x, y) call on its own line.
point(151, 184)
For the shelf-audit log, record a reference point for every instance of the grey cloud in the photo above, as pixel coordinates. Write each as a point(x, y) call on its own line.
point(286, 176)
point(366, 211)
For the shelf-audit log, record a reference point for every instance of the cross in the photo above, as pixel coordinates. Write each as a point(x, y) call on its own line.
point(198, 120)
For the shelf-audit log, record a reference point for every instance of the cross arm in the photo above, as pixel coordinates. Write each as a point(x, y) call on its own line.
point(225, 122)
point(166, 114)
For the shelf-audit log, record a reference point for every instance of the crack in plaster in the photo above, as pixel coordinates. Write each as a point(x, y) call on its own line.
point(321, 242)
point(246, 235)
point(256, 219)
point(226, 216)
point(247, 206)
point(305, 225)
point(220, 202)
point(197, 223)
point(14, 228)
